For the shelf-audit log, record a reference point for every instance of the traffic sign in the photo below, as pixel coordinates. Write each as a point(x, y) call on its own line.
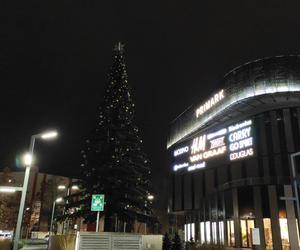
point(97, 203)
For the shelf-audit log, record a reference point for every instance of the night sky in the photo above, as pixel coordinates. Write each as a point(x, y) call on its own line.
point(56, 54)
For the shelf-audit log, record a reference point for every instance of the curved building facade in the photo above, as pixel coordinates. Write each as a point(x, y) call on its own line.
point(230, 157)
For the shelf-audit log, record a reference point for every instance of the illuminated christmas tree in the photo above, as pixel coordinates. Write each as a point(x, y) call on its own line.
point(114, 163)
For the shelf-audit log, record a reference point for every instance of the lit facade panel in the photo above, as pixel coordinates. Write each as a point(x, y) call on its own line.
point(231, 163)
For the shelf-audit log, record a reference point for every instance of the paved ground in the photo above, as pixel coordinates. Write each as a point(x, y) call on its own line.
point(35, 245)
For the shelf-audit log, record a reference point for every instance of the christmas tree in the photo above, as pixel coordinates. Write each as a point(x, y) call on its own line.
point(113, 162)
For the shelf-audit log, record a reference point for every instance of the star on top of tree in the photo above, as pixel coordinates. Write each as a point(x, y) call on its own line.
point(119, 47)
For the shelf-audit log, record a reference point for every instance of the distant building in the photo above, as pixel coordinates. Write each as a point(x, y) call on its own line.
point(43, 189)
point(232, 178)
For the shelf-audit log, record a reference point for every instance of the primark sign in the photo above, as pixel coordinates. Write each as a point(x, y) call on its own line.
point(231, 143)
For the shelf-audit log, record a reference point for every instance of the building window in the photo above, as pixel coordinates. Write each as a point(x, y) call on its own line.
point(221, 232)
point(202, 232)
point(268, 233)
point(214, 232)
point(207, 230)
point(284, 232)
point(246, 231)
point(186, 232)
point(189, 232)
point(230, 233)
point(192, 232)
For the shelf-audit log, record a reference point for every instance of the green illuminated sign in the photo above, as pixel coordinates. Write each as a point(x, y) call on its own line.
point(97, 203)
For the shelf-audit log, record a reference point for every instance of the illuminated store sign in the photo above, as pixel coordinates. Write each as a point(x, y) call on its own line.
point(231, 143)
point(210, 103)
point(181, 151)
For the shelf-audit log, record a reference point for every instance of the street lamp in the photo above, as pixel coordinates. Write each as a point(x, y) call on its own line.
point(150, 197)
point(58, 200)
point(27, 162)
point(61, 187)
point(8, 189)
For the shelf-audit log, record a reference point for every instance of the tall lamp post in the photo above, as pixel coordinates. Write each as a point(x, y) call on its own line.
point(52, 215)
point(28, 161)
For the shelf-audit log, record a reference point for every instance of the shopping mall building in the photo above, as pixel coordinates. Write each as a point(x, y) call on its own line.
point(230, 157)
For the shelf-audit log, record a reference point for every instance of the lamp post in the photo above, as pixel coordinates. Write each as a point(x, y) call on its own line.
point(69, 192)
point(28, 161)
point(52, 215)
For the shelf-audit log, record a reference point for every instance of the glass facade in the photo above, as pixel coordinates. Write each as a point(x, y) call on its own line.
point(231, 199)
point(250, 189)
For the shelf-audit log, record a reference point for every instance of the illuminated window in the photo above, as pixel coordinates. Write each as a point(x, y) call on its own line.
point(189, 231)
point(284, 232)
point(185, 232)
point(230, 233)
point(268, 233)
point(207, 230)
point(193, 231)
point(202, 232)
point(214, 232)
point(246, 232)
point(221, 232)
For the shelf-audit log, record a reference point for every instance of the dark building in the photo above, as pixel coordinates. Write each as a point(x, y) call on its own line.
point(230, 157)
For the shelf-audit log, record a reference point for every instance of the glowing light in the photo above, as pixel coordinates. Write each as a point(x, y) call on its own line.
point(61, 187)
point(59, 200)
point(7, 190)
point(75, 187)
point(150, 197)
point(27, 159)
point(49, 135)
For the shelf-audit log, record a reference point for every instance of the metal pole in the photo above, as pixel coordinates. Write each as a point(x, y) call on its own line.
point(97, 225)
point(52, 217)
point(23, 197)
point(295, 185)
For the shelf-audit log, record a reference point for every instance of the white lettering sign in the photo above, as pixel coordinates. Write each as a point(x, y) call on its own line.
point(181, 151)
point(237, 139)
point(196, 166)
point(239, 135)
point(215, 143)
point(240, 125)
point(198, 144)
point(179, 166)
point(241, 154)
point(210, 103)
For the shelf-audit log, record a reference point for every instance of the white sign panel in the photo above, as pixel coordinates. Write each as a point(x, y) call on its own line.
point(255, 236)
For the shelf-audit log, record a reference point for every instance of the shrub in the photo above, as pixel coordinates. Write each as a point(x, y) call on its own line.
point(166, 242)
point(5, 245)
point(176, 243)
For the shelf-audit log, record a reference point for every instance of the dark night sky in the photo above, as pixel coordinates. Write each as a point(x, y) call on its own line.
point(55, 56)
